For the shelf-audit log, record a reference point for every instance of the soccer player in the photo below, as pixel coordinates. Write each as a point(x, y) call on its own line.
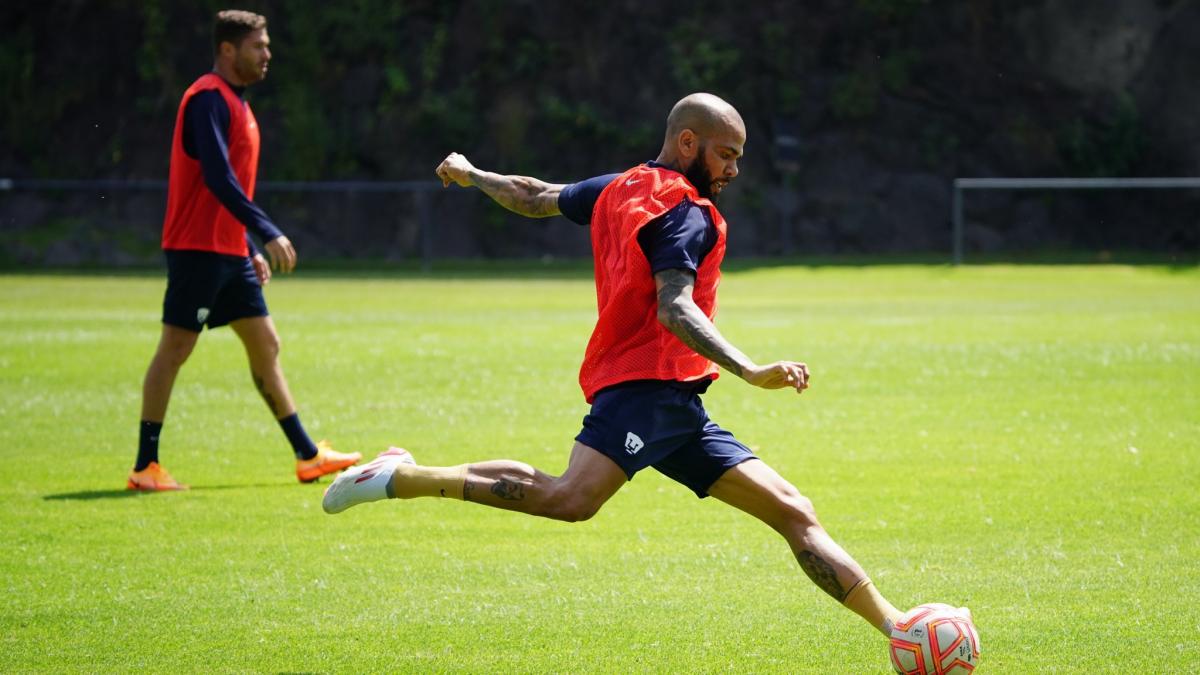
point(658, 241)
point(215, 274)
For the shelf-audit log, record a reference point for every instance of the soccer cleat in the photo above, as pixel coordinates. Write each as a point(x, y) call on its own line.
point(153, 478)
point(327, 460)
point(367, 483)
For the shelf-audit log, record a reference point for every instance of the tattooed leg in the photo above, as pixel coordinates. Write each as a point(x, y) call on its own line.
point(822, 574)
point(262, 349)
point(755, 488)
point(590, 479)
point(261, 386)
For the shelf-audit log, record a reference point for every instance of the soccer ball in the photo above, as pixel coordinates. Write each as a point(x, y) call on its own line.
point(934, 639)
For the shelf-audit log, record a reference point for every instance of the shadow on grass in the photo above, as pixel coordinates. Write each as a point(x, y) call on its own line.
point(90, 495)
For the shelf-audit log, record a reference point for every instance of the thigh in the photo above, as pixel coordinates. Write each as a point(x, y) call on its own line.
point(757, 489)
point(240, 295)
point(702, 462)
point(194, 281)
point(592, 474)
point(178, 342)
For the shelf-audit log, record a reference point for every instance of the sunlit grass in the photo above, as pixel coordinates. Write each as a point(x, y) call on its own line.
point(1019, 439)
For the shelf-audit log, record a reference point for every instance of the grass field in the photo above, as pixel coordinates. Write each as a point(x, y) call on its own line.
point(1021, 439)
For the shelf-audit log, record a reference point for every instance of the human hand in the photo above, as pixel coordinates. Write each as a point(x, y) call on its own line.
point(779, 375)
point(455, 169)
point(262, 269)
point(283, 255)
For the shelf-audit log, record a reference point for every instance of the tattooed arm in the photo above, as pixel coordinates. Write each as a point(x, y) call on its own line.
point(678, 312)
point(519, 194)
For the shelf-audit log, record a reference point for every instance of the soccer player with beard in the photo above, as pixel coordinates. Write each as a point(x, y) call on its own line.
point(658, 241)
point(214, 273)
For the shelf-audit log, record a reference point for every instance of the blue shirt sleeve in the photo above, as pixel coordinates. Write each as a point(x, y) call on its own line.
point(577, 200)
point(205, 134)
point(678, 239)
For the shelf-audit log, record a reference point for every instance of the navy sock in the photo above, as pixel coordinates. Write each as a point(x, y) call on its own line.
point(147, 444)
point(302, 445)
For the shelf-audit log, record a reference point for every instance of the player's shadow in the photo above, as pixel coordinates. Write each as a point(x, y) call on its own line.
point(90, 495)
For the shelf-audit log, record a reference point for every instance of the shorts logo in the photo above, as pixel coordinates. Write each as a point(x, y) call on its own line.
point(201, 314)
point(633, 443)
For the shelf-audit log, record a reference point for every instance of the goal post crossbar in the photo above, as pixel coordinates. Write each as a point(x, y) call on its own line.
point(963, 184)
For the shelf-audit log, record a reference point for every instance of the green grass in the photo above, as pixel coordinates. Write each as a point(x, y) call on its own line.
point(1020, 439)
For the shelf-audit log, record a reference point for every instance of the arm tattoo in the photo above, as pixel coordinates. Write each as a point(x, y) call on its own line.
point(679, 313)
point(822, 574)
point(508, 490)
point(520, 194)
point(262, 389)
point(468, 488)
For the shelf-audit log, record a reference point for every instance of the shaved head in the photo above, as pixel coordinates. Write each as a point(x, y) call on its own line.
point(705, 114)
point(704, 140)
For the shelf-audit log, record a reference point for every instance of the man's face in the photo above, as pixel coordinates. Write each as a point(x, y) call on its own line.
point(715, 165)
point(252, 56)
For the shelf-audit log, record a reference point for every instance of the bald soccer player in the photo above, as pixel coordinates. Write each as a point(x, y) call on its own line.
point(658, 241)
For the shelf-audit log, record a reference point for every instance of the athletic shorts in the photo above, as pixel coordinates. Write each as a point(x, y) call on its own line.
point(662, 425)
point(210, 289)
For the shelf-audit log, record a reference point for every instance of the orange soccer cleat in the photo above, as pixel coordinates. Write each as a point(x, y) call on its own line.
point(327, 460)
point(153, 478)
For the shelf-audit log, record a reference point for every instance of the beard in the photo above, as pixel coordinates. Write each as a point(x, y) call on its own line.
point(249, 70)
point(699, 176)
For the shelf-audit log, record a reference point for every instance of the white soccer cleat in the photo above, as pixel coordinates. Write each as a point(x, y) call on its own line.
point(367, 483)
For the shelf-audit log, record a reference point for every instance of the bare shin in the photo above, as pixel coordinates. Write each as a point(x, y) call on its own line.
point(262, 350)
point(756, 489)
point(174, 347)
point(590, 479)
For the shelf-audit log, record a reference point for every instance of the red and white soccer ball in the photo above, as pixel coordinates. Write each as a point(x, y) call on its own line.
point(934, 639)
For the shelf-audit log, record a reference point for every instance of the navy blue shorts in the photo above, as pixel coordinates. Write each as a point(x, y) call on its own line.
point(210, 289)
point(663, 425)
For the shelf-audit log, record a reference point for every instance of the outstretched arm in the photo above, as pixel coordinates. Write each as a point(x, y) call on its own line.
point(519, 194)
point(680, 314)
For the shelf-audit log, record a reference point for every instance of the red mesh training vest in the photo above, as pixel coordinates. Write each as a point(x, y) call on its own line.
point(628, 342)
point(195, 220)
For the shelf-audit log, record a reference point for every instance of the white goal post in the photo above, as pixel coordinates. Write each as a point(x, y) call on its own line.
point(963, 184)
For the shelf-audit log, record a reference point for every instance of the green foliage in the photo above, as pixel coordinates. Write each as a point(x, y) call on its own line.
point(977, 435)
point(356, 29)
point(1107, 148)
point(780, 54)
point(582, 124)
point(432, 56)
point(452, 115)
point(937, 144)
point(701, 61)
point(153, 64)
point(30, 110)
point(891, 10)
point(896, 68)
point(856, 95)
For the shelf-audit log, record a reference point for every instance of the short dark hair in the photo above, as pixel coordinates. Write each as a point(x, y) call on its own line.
point(233, 25)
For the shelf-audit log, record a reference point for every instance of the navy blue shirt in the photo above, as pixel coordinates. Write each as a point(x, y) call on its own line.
point(206, 137)
point(678, 239)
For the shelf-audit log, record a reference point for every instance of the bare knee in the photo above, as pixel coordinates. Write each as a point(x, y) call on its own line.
point(264, 349)
point(795, 511)
point(569, 505)
point(174, 351)
point(260, 338)
point(271, 345)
